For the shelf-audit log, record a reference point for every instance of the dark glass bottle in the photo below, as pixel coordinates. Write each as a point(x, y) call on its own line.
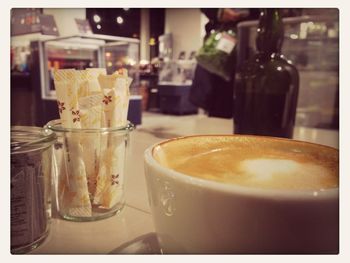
point(266, 88)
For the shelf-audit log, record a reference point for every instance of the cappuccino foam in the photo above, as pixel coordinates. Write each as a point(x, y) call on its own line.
point(253, 161)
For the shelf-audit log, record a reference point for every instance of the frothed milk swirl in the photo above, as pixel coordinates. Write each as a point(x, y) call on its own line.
point(251, 161)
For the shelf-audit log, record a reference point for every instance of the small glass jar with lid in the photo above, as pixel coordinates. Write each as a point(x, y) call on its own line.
point(31, 168)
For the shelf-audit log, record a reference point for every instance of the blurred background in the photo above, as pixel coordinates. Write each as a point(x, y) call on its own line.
point(158, 47)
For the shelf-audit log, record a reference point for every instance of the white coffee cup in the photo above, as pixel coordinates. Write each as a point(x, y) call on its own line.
point(194, 215)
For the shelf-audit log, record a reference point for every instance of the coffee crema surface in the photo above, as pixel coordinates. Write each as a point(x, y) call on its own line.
point(251, 161)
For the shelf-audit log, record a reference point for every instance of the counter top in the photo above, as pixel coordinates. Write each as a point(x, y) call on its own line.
point(113, 234)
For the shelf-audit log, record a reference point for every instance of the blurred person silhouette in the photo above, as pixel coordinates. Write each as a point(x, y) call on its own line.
point(209, 91)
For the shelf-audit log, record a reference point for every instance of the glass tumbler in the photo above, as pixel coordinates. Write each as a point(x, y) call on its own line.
point(90, 172)
point(31, 167)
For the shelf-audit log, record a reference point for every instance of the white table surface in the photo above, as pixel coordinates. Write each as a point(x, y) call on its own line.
point(106, 236)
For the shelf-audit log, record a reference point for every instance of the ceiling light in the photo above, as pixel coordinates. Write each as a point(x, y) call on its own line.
point(98, 26)
point(120, 20)
point(97, 18)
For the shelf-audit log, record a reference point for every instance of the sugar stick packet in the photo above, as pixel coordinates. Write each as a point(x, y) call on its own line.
point(74, 196)
point(115, 89)
point(90, 98)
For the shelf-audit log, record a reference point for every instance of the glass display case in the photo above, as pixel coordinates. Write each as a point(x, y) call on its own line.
point(178, 72)
point(174, 85)
point(312, 44)
point(80, 52)
point(87, 51)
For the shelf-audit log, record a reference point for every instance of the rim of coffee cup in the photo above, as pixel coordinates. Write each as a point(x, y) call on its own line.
point(279, 194)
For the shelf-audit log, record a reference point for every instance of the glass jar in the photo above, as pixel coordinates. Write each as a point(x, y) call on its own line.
point(31, 168)
point(90, 171)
